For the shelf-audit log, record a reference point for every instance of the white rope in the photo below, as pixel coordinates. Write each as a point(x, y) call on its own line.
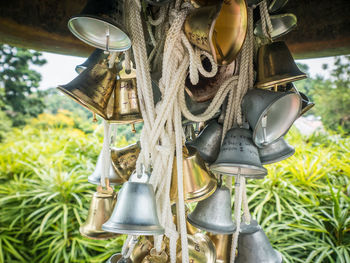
point(246, 213)
point(106, 158)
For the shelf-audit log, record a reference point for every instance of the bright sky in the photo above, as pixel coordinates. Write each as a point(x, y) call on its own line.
point(60, 69)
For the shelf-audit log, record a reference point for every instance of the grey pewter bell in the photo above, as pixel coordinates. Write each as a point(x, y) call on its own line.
point(276, 151)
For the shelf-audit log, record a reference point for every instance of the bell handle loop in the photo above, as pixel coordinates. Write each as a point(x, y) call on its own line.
point(139, 178)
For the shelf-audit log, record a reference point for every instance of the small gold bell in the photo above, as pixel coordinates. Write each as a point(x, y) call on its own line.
point(154, 257)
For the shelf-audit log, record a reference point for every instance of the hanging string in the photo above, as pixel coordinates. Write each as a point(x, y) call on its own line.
point(265, 20)
point(246, 213)
point(106, 158)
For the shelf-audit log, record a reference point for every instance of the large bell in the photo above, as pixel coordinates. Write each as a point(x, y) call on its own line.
point(208, 142)
point(101, 25)
point(135, 212)
point(92, 88)
point(198, 182)
point(200, 249)
point(306, 104)
point(281, 25)
point(276, 151)
point(276, 66)
point(126, 108)
point(270, 114)
point(214, 213)
point(124, 160)
point(101, 208)
point(239, 155)
point(96, 57)
point(219, 29)
point(254, 247)
point(114, 178)
point(223, 246)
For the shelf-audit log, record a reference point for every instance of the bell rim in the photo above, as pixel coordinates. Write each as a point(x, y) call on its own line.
point(138, 119)
point(308, 107)
point(91, 180)
point(227, 230)
point(203, 193)
point(110, 22)
point(263, 170)
point(285, 155)
point(272, 81)
point(282, 95)
point(100, 235)
point(89, 106)
point(133, 229)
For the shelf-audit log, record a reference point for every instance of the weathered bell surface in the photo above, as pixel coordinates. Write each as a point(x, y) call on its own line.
point(124, 160)
point(208, 142)
point(206, 88)
point(239, 155)
point(275, 5)
point(101, 208)
point(92, 88)
point(254, 247)
point(96, 57)
point(219, 29)
point(118, 258)
point(101, 25)
point(135, 212)
point(306, 104)
point(126, 108)
point(281, 25)
point(141, 249)
point(214, 213)
point(114, 178)
point(199, 183)
point(200, 249)
point(154, 257)
point(270, 114)
point(223, 247)
point(276, 151)
point(276, 66)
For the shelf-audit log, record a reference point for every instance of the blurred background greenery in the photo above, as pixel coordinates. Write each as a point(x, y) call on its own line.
point(49, 146)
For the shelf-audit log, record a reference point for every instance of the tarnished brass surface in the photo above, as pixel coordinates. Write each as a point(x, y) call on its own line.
point(219, 29)
point(92, 88)
point(222, 245)
point(124, 160)
point(142, 249)
point(154, 257)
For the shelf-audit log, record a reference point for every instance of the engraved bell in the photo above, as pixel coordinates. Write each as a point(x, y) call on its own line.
point(270, 114)
point(223, 246)
point(126, 108)
point(214, 213)
point(281, 25)
point(101, 208)
point(199, 183)
point(124, 160)
point(219, 29)
point(92, 88)
point(239, 155)
point(254, 247)
point(101, 25)
point(276, 66)
point(208, 142)
point(96, 57)
point(135, 212)
point(276, 151)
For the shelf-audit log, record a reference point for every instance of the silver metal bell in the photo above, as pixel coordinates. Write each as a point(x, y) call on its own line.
point(95, 177)
point(270, 114)
point(239, 155)
point(276, 151)
point(135, 212)
point(208, 142)
point(214, 213)
point(254, 247)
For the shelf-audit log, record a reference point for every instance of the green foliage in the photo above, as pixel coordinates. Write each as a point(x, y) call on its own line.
point(19, 97)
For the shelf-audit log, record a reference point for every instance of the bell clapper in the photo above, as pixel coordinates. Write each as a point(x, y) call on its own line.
point(275, 88)
point(263, 125)
point(107, 40)
point(94, 119)
point(133, 127)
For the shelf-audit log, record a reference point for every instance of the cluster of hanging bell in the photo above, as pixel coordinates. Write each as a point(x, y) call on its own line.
point(106, 85)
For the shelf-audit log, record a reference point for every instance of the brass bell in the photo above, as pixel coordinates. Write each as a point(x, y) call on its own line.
point(281, 25)
point(270, 114)
point(135, 212)
point(101, 208)
point(113, 177)
point(154, 257)
point(223, 246)
point(214, 213)
point(208, 142)
point(306, 104)
point(200, 249)
point(276, 66)
point(141, 249)
point(219, 29)
point(199, 183)
point(96, 57)
point(276, 151)
point(124, 160)
point(92, 88)
point(118, 258)
point(126, 108)
point(254, 247)
point(239, 155)
point(101, 25)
